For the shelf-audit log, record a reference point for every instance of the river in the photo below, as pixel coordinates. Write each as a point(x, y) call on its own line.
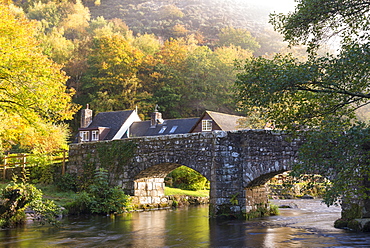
point(308, 224)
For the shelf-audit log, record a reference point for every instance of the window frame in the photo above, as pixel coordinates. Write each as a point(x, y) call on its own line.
point(85, 135)
point(94, 135)
point(207, 125)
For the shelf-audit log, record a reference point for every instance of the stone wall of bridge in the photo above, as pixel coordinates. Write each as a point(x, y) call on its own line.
point(235, 163)
point(245, 161)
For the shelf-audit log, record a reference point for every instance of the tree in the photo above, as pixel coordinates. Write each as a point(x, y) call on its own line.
point(237, 37)
point(166, 81)
point(32, 87)
point(56, 46)
point(209, 79)
point(314, 21)
point(147, 43)
point(76, 21)
point(112, 75)
point(170, 12)
point(321, 94)
point(48, 14)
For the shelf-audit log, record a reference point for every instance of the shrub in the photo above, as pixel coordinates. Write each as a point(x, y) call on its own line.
point(274, 210)
point(100, 197)
point(80, 205)
point(17, 197)
point(42, 169)
point(66, 182)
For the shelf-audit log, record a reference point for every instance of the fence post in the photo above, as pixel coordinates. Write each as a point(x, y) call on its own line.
point(24, 160)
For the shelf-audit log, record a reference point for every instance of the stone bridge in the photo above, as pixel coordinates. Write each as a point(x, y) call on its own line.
point(236, 163)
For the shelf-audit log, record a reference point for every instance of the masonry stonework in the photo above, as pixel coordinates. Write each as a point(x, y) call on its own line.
point(236, 163)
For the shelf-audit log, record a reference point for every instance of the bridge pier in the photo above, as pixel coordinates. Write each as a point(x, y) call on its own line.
point(256, 196)
point(237, 203)
point(148, 191)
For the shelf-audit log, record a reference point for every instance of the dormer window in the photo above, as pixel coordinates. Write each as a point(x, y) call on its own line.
point(84, 135)
point(206, 125)
point(94, 135)
point(162, 129)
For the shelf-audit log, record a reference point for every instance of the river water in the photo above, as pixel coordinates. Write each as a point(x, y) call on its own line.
point(308, 224)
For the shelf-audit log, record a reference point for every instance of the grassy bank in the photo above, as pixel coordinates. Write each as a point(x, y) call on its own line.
point(61, 198)
point(51, 192)
point(176, 191)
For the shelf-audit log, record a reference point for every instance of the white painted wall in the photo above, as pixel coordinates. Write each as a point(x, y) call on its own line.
point(132, 118)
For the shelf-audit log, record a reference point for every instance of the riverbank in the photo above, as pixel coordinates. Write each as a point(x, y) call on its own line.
point(176, 197)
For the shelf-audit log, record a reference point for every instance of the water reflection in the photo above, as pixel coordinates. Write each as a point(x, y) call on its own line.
point(310, 225)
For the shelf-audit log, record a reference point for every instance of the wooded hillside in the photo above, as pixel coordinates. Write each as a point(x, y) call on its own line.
point(122, 54)
point(195, 16)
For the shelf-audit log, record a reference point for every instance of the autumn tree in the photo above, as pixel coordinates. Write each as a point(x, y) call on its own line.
point(225, 75)
point(166, 76)
point(147, 43)
point(209, 77)
point(185, 78)
point(33, 95)
point(237, 37)
point(170, 12)
point(319, 95)
point(111, 80)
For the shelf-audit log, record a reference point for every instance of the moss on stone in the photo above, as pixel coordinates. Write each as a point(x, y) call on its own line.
point(353, 211)
point(354, 225)
point(341, 223)
point(261, 211)
point(366, 227)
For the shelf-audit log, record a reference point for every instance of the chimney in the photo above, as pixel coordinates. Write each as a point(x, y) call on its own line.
point(86, 117)
point(156, 118)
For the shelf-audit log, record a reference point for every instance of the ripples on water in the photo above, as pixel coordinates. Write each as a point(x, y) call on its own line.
point(310, 224)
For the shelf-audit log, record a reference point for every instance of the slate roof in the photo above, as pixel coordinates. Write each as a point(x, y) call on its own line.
point(172, 126)
point(114, 120)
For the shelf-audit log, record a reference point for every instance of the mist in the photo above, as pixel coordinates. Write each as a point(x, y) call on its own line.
point(279, 6)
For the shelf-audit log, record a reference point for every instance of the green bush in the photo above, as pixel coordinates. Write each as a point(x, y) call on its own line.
point(42, 169)
point(187, 179)
point(17, 197)
point(274, 210)
point(106, 199)
point(100, 197)
point(66, 182)
point(80, 205)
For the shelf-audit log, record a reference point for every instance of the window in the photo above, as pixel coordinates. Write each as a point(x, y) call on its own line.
point(162, 129)
point(173, 129)
point(84, 135)
point(206, 125)
point(95, 135)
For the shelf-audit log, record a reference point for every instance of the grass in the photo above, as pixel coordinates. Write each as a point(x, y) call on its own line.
point(50, 192)
point(60, 198)
point(176, 191)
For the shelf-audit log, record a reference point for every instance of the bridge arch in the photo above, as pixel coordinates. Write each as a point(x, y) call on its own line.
point(263, 179)
point(149, 184)
point(233, 162)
